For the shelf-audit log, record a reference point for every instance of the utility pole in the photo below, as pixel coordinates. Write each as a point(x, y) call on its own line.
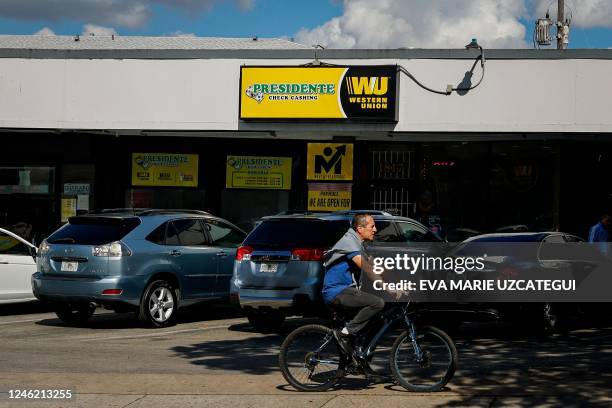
point(561, 24)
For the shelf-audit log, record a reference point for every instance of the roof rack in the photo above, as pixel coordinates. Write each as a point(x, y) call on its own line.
point(356, 212)
point(149, 212)
point(145, 211)
point(127, 210)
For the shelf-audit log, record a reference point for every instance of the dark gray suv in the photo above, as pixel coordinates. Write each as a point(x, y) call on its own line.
point(278, 270)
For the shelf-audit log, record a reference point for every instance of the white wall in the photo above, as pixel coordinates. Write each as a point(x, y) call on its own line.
point(515, 96)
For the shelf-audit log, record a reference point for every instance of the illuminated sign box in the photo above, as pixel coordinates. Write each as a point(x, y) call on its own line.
point(344, 93)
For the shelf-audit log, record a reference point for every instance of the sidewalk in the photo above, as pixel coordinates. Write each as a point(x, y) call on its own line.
point(243, 390)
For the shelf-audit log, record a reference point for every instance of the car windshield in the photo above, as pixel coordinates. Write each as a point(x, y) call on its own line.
point(96, 231)
point(297, 233)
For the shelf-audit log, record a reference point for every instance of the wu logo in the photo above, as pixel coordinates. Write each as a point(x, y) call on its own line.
point(330, 160)
point(367, 85)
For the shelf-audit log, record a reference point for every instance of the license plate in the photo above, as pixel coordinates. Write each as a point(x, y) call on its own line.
point(268, 267)
point(70, 266)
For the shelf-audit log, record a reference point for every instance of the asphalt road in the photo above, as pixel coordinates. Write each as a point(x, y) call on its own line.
point(213, 358)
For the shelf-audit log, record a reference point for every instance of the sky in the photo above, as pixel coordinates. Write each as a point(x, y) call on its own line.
point(329, 23)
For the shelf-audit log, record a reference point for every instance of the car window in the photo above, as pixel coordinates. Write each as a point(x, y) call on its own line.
point(12, 246)
point(158, 235)
point(413, 232)
point(297, 233)
point(186, 232)
point(386, 232)
point(224, 235)
point(87, 230)
point(572, 238)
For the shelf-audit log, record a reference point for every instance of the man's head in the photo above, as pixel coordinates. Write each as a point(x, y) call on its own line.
point(364, 225)
point(605, 220)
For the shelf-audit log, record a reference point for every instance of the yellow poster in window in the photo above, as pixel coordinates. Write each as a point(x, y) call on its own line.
point(329, 197)
point(257, 172)
point(164, 170)
point(330, 162)
point(69, 207)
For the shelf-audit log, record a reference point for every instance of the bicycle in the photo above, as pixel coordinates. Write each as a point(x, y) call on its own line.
point(422, 359)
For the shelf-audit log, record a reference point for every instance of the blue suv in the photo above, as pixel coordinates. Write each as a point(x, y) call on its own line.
point(279, 270)
point(149, 261)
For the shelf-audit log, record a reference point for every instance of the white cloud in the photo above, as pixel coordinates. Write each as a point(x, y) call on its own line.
point(44, 31)
point(91, 29)
point(179, 33)
point(119, 13)
point(585, 13)
point(426, 24)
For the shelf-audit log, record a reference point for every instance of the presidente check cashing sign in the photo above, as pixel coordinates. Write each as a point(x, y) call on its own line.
point(362, 93)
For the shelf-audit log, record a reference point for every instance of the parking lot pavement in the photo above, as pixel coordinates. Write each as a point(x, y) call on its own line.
point(213, 358)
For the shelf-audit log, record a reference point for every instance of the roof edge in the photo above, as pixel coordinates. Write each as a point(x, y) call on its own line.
point(323, 55)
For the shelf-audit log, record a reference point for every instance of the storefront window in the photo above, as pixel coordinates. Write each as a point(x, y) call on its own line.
point(26, 180)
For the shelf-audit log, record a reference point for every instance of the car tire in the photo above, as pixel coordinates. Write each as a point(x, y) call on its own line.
point(266, 322)
point(159, 304)
point(75, 314)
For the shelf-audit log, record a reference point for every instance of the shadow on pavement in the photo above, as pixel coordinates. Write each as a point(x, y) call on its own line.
point(494, 360)
point(23, 308)
point(105, 319)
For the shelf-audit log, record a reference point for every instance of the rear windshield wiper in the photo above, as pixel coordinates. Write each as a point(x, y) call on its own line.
point(63, 240)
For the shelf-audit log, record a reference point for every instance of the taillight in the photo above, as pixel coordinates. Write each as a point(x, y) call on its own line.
point(307, 254)
point(244, 253)
point(112, 291)
point(509, 272)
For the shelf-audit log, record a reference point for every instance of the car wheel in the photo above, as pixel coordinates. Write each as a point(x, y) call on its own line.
point(159, 304)
point(75, 314)
point(266, 322)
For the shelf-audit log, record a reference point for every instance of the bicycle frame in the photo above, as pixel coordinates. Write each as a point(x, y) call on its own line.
point(389, 318)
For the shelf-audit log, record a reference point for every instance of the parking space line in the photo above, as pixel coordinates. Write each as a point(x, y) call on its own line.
point(134, 336)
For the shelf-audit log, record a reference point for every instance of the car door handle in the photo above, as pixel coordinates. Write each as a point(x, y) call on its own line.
point(175, 253)
point(222, 254)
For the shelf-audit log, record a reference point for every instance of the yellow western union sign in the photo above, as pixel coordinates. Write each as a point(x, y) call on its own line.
point(164, 170)
point(329, 197)
point(338, 92)
point(258, 172)
point(329, 161)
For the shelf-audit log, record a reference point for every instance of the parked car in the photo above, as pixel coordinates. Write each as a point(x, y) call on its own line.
point(17, 264)
point(149, 261)
point(279, 271)
point(524, 258)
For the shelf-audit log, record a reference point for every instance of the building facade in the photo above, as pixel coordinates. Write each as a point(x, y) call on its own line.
point(111, 122)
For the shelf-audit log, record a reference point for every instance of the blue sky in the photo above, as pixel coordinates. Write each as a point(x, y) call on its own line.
point(333, 23)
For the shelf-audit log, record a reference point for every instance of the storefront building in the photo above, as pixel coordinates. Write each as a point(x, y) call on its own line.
point(246, 128)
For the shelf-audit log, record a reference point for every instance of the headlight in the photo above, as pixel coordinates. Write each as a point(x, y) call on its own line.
point(113, 250)
point(43, 249)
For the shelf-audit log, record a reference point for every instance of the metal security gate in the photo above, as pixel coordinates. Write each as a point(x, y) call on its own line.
point(390, 176)
point(393, 200)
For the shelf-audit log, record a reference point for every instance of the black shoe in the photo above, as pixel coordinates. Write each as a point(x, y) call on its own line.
point(343, 340)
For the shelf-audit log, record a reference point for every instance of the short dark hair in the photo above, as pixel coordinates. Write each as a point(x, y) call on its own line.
point(360, 220)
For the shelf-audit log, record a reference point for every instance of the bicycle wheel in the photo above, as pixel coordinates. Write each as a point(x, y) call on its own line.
point(436, 367)
point(310, 358)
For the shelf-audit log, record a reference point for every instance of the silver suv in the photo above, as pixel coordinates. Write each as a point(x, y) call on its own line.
point(278, 270)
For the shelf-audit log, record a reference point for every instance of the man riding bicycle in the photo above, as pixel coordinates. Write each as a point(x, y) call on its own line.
point(343, 262)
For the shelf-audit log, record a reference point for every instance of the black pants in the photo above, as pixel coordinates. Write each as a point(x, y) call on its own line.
point(369, 305)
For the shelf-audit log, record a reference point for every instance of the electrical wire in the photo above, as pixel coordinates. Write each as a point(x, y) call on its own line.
point(403, 70)
point(453, 89)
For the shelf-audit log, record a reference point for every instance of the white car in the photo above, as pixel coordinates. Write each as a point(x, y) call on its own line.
point(17, 264)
